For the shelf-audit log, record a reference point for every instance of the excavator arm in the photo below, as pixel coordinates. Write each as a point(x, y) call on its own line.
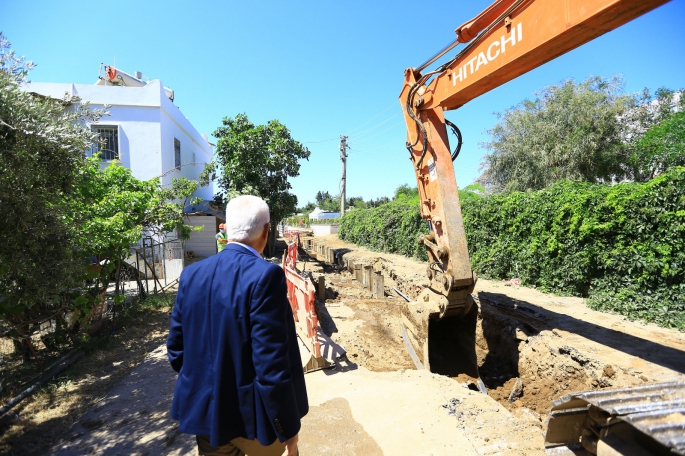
point(509, 38)
point(506, 40)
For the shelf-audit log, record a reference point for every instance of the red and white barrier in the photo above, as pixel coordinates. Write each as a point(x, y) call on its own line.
point(302, 297)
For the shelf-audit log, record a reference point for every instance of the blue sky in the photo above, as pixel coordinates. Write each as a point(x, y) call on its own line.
point(322, 68)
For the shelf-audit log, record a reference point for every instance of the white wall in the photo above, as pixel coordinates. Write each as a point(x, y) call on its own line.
point(194, 148)
point(202, 243)
point(324, 230)
point(148, 123)
point(140, 145)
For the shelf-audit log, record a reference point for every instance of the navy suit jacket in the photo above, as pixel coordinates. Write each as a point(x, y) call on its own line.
point(232, 341)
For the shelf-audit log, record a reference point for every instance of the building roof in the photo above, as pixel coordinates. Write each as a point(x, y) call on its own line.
point(205, 208)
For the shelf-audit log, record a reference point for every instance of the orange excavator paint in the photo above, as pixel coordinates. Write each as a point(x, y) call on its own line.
point(506, 40)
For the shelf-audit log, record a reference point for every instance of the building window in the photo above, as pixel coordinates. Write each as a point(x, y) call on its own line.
point(177, 153)
point(107, 143)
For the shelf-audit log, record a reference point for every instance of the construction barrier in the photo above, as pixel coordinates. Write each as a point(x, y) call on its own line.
point(302, 297)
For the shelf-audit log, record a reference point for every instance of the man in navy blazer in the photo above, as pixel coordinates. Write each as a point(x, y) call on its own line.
point(232, 340)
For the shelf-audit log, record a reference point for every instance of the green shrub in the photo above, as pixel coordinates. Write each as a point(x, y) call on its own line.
point(621, 246)
point(392, 227)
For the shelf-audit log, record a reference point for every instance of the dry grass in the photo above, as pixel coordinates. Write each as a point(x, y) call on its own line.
point(45, 417)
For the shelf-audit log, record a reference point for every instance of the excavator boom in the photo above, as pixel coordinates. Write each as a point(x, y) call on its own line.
point(509, 38)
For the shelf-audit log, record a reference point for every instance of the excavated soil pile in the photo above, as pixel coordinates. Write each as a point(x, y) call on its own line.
point(532, 347)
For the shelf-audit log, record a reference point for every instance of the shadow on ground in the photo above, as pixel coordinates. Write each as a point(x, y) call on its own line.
point(133, 418)
point(537, 318)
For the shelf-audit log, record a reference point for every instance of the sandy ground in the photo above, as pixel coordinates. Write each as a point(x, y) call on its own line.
point(376, 403)
point(353, 411)
point(552, 344)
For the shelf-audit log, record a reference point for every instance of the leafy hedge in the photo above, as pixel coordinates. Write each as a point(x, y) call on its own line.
point(392, 227)
point(622, 246)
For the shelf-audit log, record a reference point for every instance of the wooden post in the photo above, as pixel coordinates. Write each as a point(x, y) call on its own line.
point(377, 288)
point(358, 272)
point(368, 271)
point(321, 287)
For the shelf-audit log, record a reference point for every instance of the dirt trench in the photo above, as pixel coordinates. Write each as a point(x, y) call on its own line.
point(528, 352)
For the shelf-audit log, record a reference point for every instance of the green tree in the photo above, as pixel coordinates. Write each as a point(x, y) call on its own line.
point(378, 202)
point(42, 148)
point(356, 202)
point(572, 131)
point(322, 197)
point(471, 192)
point(114, 209)
point(405, 192)
point(59, 208)
point(306, 209)
point(660, 149)
point(258, 160)
point(326, 202)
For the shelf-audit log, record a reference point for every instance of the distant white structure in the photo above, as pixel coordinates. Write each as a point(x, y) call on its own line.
point(144, 130)
point(318, 214)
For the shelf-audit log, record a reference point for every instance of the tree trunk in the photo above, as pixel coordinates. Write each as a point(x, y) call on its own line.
point(22, 347)
point(270, 249)
point(20, 343)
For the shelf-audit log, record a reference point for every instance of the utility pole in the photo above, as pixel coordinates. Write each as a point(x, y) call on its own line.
point(343, 158)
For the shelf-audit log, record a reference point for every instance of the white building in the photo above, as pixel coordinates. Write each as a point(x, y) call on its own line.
point(144, 130)
point(318, 214)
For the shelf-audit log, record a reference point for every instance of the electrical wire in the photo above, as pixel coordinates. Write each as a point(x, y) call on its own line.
point(379, 124)
point(381, 147)
point(323, 140)
point(357, 128)
point(385, 157)
point(379, 133)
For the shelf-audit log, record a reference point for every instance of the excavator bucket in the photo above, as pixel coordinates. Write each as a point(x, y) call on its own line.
point(443, 342)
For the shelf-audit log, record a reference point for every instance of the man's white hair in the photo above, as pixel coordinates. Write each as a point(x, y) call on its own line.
point(246, 216)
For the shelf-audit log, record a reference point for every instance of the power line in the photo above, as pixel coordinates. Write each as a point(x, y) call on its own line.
point(323, 140)
point(385, 157)
point(387, 146)
point(379, 124)
point(394, 103)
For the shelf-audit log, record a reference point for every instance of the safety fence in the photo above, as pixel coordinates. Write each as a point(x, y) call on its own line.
point(302, 298)
point(155, 265)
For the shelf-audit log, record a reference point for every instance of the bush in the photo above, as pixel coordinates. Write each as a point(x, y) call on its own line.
point(621, 246)
point(393, 227)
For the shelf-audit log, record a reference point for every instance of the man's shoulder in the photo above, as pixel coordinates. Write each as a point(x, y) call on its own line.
point(199, 267)
point(234, 253)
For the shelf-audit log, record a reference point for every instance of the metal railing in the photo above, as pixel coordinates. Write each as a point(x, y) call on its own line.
point(158, 264)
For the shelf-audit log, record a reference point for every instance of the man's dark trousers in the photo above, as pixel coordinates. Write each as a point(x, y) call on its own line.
point(232, 340)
